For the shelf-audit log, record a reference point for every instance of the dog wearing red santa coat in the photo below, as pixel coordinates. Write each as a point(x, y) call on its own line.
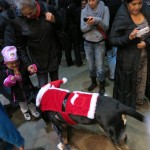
point(71, 108)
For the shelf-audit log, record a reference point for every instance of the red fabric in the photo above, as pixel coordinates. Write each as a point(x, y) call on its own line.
point(81, 104)
point(77, 103)
point(67, 118)
point(56, 83)
point(38, 10)
point(52, 100)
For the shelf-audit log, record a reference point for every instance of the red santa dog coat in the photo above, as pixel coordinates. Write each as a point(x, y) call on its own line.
point(51, 97)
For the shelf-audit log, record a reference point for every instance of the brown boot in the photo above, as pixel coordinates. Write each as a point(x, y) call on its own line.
point(93, 84)
point(102, 88)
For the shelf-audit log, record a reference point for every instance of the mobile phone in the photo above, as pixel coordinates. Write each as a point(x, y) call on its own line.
point(85, 19)
point(143, 31)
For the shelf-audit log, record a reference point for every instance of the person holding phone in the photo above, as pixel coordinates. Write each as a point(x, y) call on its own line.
point(133, 56)
point(94, 15)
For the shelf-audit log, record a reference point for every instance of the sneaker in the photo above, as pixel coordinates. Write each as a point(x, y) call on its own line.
point(60, 146)
point(27, 116)
point(35, 113)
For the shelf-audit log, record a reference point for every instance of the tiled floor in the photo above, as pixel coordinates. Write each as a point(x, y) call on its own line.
point(40, 137)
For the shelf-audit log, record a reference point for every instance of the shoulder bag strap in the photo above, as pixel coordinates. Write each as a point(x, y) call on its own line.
point(102, 32)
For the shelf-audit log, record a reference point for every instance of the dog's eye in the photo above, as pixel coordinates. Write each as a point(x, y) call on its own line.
point(111, 133)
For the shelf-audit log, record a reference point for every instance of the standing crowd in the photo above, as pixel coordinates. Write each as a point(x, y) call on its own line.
point(33, 34)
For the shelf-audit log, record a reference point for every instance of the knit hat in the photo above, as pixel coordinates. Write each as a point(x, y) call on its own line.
point(53, 84)
point(9, 53)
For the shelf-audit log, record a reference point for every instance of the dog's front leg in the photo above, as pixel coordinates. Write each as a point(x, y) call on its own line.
point(65, 136)
point(62, 133)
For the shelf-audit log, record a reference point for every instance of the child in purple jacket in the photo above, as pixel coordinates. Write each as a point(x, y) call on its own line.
point(18, 80)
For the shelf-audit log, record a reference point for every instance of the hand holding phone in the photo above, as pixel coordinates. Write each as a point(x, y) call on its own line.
point(142, 31)
point(85, 19)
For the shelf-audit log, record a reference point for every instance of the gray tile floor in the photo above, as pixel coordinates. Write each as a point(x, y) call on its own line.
point(40, 137)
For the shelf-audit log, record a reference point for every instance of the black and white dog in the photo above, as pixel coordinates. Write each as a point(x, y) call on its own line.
point(64, 108)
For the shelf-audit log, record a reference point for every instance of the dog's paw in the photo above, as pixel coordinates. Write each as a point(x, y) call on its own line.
point(60, 146)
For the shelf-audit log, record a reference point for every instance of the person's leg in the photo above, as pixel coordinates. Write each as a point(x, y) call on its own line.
point(90, 56)
point(42, 78)
point(33, 110)
point(99, 62)
point(68, 56)
point(75, 37)
point(24, 110)
point(111, 57)
point(54, 75)
point(141, 78)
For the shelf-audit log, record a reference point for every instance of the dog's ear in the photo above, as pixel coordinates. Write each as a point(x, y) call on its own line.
point(124, 118)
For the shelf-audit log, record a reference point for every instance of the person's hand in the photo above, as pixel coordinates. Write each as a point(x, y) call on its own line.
point(32, 69)
point(13, 78)
point(50, 17)
point(21, 148)
point(90, 21)
point(141, 45)
point(133, 34)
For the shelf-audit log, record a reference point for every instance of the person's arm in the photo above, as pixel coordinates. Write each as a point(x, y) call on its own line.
point(10, 81)
point(103, 22)
point(51, 14)
point(8, 131)
point(84, 26)
point(13, 36)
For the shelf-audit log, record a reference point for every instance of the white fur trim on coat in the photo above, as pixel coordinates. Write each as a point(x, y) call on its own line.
point(92, 108)
point(41, 93)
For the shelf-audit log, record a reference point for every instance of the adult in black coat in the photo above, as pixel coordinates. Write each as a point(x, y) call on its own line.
point(113, 7)
point(6, 15)
point(132, 14)
point(72, 27)
point(35, 29)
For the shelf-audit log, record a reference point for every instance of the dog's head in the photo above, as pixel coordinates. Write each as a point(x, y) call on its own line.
point(116, 130)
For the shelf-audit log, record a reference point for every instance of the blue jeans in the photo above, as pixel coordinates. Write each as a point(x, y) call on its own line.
point(111, 57)
point(95, 54)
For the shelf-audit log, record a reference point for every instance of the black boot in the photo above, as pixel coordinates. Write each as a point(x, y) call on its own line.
point(93, 84)
point(102, 88)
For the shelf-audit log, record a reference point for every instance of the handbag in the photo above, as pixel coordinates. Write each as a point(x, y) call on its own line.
point(106, 38)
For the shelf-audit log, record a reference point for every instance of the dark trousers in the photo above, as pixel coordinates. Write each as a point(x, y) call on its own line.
point(43, 77)
point(74, 36)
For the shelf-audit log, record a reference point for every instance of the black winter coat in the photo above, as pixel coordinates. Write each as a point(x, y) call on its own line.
point(38, 38)
point(128, 56)
point(2, 73)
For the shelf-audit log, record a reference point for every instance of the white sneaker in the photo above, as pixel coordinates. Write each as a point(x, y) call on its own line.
point(27, 116)
point(35, 113)
point(60, 146)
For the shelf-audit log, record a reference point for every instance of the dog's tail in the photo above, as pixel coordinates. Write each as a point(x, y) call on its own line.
point(131, 112)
